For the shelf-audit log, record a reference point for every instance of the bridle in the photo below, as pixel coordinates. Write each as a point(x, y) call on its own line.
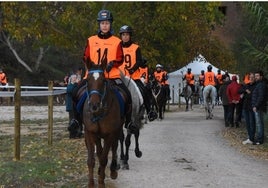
point(98, 110)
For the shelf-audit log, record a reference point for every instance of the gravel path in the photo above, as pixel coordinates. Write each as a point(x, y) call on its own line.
point(183, 150)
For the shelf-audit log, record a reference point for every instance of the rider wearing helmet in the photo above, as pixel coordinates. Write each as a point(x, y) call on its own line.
point(162, 77)
point(132, 53)
point(106, 48)
point(210, 78)
point(219, 78)
point(132, 62)
point(189, 77)
point(201, 78)
point(219, 82)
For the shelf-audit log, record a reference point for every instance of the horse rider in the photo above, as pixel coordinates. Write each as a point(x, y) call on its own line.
point(201, 78)
point(133, 61)
point(3, 78)
point(210, 77)
point(144, 72)
point(106, 48)
point(189, 77)
point(162, 77)
point(219, 83)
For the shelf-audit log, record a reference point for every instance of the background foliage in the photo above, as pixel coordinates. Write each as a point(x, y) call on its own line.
point(170, 33)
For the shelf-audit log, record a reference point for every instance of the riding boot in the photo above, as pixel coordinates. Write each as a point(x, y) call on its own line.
point(168, 92)
point(128, 105)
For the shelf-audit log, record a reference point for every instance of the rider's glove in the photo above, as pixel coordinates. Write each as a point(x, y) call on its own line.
point(109, 66)
point(131, 71)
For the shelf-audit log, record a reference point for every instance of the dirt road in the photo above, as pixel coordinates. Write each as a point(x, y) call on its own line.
point(185, 150)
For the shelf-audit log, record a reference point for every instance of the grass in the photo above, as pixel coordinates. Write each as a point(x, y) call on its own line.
point(64, 163)
point(237, 135)
point(60, 165)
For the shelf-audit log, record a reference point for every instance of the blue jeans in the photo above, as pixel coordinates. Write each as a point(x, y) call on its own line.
point(250, 123)
point(259, 126)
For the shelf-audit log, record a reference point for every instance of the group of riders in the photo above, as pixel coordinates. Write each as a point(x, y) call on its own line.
point(204, 79)
point(121, 56)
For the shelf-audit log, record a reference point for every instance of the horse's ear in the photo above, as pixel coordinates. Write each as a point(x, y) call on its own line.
point(88, 63)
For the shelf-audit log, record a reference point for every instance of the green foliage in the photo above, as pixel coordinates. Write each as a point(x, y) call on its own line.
point(170, 33)
point(254, 43)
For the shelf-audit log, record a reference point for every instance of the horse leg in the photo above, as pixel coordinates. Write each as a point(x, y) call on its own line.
point(137, 148)
point(160, 112)
point(121, 140)
point(127, 144)
point(114, 166)
point(187, 101)
point(90, 144)
point(104, 160)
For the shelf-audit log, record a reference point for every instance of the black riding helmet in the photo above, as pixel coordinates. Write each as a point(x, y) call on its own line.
point(104, 15)
point(209, 67)
point(125, 29)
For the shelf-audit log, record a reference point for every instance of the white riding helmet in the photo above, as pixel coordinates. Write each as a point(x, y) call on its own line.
point(158, 66)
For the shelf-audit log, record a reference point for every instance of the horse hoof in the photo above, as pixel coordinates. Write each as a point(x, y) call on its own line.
point(118, 166)
point(138, 153)
point(125, 167)
point(113, 175)
point(101, 186)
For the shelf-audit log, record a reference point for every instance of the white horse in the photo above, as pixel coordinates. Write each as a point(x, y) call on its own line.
point(209, 95)
point(188, 96)
point(138, 109)
point(137, 118)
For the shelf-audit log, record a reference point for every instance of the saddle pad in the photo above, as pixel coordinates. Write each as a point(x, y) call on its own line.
point(80, 103)
point(121, 101)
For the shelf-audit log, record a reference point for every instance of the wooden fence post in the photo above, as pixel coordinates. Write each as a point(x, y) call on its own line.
point(50, 113)
point(17, 110)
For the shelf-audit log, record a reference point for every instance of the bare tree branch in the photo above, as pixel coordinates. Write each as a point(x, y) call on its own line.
point(8, 43)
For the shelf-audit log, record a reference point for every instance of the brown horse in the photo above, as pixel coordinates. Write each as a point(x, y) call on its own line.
point(103, 122)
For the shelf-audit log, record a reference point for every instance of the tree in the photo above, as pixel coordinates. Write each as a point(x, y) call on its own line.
point(170, 33)
point(252, 46)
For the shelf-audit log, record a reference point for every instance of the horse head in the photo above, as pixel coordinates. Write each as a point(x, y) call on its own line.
point(96, 86)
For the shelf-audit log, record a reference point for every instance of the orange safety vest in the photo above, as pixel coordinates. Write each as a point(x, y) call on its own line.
point(246, 79)
point(209, 79)
point(3, 79)
point(159, 75)
point(144, 74)
point(219, 78)
point(130, 61)
point(166, 81)
point(99, 49)
point(189, 78)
